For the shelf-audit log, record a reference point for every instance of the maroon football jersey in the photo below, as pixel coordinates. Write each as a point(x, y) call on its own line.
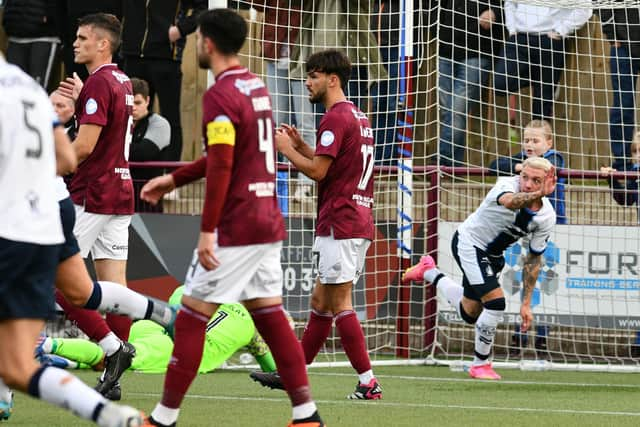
point(102, 182)
point(250, 212)
point(345, 195)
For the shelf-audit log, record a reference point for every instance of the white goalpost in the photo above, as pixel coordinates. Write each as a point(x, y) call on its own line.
point(587, 299)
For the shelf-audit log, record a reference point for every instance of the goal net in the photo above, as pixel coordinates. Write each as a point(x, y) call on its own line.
point(450, 88)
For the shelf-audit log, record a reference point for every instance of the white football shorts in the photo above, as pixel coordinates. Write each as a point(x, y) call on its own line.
point(244, 273)
point(105, 236)
point(339, 261)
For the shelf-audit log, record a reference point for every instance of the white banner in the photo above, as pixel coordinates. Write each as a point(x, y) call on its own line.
point(590, 276)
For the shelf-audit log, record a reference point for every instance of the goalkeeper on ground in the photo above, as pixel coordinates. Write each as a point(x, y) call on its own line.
point(230, 329)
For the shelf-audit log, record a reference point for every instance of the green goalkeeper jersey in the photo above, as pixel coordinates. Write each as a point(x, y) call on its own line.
point(230, 329)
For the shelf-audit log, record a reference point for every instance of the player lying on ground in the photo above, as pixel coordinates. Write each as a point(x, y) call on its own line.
point(229, 330)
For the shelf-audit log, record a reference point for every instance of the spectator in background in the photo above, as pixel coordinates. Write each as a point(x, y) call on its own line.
point(65, 109)
point(342, 25)
point(34, 30)
point(538, 142)
point(386, 97)
point(622, 29)
point(289, 97)
point(76, 9)
point(534, 54)
point(151, 134)
point(153, 38)
point(626, 193)
point(470, 33)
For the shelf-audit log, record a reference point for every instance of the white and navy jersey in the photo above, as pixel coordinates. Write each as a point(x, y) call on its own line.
point(494, 228)
point(61, 189)
point(28, 204)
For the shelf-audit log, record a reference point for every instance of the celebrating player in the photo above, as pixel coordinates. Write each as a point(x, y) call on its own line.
point(238, 253)
point(515, 208)
point(342, 164)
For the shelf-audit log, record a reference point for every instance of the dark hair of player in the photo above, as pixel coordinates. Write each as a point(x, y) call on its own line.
point(330, 62)
point(104, 22)
point(225, 28)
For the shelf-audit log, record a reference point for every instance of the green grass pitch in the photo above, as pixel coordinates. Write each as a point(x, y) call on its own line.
point(413, 396)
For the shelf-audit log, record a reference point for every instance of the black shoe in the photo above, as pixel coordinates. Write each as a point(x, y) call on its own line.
point(149, 421)
point(267, 379)
point(114, 393)
point(371, 391)
point(115, 365)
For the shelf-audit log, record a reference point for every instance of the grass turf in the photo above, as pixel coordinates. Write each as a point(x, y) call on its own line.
point(413, 396)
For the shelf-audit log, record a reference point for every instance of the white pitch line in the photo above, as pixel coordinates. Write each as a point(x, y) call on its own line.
point(471, 380)
point(406, 405)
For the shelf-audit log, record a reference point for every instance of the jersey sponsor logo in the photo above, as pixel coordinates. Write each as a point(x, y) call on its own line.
point(261, 103)
point(91, 106)
point(120, 77)
point(221, 131)
point(262, 189)
point(359, 115)
point(123, 172)
point(246, 86)
point(119, 247)
point(128, 99)
point(327, 138)
point(363, 201)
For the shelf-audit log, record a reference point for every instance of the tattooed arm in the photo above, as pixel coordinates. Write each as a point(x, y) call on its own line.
point(515, 201)
point(530, 271)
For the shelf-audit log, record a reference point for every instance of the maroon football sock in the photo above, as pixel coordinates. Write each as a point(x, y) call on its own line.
point(353, 341)
point(274, 327)
point(120, 325)
point(89, 321)
point(315, 334)
point(190, 327)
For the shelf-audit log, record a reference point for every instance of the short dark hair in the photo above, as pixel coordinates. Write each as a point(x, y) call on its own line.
point(331, 62)
point(225, 28)
point(105, 22)
point(140, 87)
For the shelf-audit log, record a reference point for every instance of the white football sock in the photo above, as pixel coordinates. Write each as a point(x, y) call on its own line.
point(452, 291)
point(110, 344)
point(303, 411)
point(62, 389)
point(165, 415)
point(366, 377)
point(122, 300)
point(485, 332)
point(430, 275)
